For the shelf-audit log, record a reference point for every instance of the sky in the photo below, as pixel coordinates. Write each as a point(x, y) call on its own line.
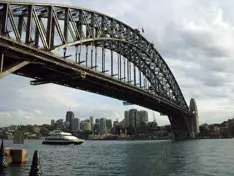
point(195, 38)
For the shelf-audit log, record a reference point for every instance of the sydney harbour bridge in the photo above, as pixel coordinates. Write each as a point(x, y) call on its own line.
point(91, 51)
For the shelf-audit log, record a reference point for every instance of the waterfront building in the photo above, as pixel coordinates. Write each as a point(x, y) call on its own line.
point(134, 118)
point(96, 128)
point(102, 125)
point(52, 123)
point(116, 123)
point(78, 126)
point(97, 121)
point(124, 125)
point(108, 124)
point(86, 125)
point(133, 115)
point(92, 121)
point(60, 124)
point(67, 125)
point(75, 124)
point(126, 119)
point(138, 119)
point(143, 117)
point(69, 117)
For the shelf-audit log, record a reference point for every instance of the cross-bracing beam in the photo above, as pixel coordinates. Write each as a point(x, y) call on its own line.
point(11, 69)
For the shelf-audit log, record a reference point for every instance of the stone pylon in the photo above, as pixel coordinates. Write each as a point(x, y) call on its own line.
point(35, 167)
point(3, 162)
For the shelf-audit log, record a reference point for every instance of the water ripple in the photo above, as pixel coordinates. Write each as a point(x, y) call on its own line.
point(138, 158)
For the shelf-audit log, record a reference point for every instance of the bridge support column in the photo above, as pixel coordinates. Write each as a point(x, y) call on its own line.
point(179, 126)
point(2, 62)
point(190, 124)
point(12, 69)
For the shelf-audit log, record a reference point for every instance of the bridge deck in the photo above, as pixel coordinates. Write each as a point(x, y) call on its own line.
point(52, 69)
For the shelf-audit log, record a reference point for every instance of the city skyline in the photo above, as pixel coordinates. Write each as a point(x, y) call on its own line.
point(201, 65)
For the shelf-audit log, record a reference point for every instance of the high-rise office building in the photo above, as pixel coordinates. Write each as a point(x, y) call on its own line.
point(92, 121)
point(75, 124)
point(138, 119)
point(108, 125)
point(134, 118)
point(123, 123)
point(97, 121)
point(78, 125)
point(126, 118)
point(69, 117)
point(102, 125)
point(96, 126)
point(143, 116)
point(116, 123)
point(133, 115)
point(60, 124)
point(52, 123)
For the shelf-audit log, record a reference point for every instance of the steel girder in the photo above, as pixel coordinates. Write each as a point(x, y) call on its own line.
point(51, 27)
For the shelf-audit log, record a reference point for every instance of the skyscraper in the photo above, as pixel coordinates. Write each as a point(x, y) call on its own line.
point(126, 117)
point(96, 126)
point(92, 121)
point(59, 123)
point(116, 123)
point(134, 118)
point(108, 124)
point(97, 121)
point(52, 123)
point(78, 125)
point(133, 115)
point(143, 115)
point(75, 124)
point(138, 119)
point(102, 125)
point(69, 118)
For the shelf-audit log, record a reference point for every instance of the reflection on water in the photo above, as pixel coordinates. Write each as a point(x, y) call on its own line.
point(193, 157)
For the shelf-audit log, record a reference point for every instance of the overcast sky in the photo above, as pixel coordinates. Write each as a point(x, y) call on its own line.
point(195, 37)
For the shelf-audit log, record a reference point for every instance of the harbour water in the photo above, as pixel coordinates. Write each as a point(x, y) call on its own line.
point(132, 158)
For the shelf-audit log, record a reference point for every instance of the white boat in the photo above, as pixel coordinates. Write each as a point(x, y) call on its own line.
point(58, 137)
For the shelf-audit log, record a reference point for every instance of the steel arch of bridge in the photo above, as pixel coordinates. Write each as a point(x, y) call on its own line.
point(57, 29)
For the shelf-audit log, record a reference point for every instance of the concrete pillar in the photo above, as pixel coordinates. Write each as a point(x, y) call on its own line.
point(179, 126)
point(190, 125)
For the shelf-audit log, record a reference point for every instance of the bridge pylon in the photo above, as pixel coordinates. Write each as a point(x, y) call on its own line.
point(183, 126)
point(179, 126)
point(194, 120)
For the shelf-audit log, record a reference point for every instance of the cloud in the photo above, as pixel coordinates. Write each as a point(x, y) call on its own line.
point(26, 104)
point(20, 116)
